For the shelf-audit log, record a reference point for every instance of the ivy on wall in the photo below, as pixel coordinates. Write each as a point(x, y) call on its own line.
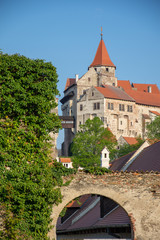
point(28, 90)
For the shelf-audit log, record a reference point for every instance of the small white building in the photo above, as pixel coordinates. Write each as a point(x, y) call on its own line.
point(66, 162)
point(105, 157)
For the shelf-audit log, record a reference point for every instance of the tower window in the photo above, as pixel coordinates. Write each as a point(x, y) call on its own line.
point(95, 69)
point(105, 155)
point(81, 107)
point(89, 79)
point(107, 70)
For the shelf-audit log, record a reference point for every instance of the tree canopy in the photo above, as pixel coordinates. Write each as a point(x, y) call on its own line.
point(89, 142)
point(153, 129)
point(125, 149)
point(28, 90)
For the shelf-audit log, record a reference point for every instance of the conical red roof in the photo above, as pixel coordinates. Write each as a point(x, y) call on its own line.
point(102, 57)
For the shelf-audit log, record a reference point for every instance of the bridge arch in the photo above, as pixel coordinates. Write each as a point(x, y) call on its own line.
point(136, 199)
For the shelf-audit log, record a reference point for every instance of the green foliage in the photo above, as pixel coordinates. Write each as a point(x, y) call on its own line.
point(153, 129)
point(27, 89)
point(125, 149)
point(89, 142)
point(97, 170)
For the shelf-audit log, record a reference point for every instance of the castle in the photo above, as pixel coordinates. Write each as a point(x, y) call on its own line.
point(123, 107)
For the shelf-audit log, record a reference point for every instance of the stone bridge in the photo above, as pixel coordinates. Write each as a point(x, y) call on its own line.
point(137, 193)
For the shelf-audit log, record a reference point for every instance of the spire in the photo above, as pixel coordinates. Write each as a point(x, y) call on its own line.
point(102, 57)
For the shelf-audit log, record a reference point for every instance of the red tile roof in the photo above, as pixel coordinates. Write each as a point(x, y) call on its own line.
point(125, 84)
point(144, 87)
point(144, 98)
point(115, 93)
point(130, 140)
point(102, 57)
point(65, 160)
point(70, 82)
point(155, 112)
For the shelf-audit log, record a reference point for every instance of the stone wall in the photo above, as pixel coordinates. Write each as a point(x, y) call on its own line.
point(137, 193)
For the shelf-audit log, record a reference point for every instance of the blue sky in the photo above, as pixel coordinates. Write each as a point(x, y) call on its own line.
point(67, 33)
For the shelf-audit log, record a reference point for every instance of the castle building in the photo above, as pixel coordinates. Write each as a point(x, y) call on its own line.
point(123, 107)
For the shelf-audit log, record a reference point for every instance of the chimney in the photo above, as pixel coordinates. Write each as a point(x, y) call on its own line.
point(149, 89)
point(76, 78)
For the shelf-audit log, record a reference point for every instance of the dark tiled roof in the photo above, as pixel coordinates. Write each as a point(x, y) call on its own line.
point(117, 217)
point(148, 159)
point(114, 93)
point(117, 164)
point(92, 219)
point(68, 222)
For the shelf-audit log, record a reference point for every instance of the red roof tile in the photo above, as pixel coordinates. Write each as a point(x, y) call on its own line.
point(125, 84)
point(65, 160)
point(113, 92)
point(155, 112)
point(144, 87)
point(130, 140)
point(144, 98)
point(70, 82)
point(102, 57)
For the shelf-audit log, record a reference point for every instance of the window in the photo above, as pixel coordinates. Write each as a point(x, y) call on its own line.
point(96, 106)
point(92, 94)
point(110, 106)
point(84, 91)
point(120, 122)
point(105, 155)
point(129, 108)
point(89, 79)
point(121, 107)
point(81, 107)
point(95, 69)
point(107, 69)
point(80, 123)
